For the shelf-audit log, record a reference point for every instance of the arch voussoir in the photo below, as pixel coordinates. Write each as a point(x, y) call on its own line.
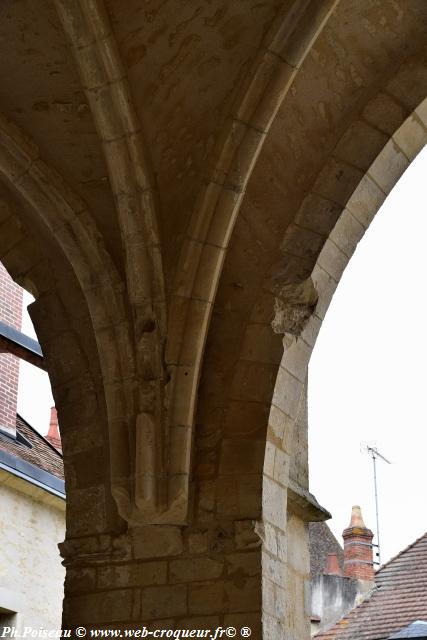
point(354, 207)
point(215, 213)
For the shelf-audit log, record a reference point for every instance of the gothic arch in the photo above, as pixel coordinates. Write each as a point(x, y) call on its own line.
point(290, 387)
point(252, 117)
point(67, 223)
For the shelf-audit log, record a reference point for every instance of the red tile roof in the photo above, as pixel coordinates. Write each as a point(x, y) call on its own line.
point(399, 598)
point(41, 454)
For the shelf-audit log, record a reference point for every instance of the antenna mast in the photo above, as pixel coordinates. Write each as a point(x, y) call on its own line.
point(374, 453)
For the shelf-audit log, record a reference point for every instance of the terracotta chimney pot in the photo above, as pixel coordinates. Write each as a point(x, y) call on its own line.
point(332, 565)
point(53, 434)
point(356, 518)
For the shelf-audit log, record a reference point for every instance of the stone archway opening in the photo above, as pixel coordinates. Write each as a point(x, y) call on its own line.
point(164, 419)
point(301, 312)
point(365, 374)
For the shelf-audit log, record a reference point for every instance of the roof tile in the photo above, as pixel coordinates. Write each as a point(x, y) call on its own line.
point(42, 454)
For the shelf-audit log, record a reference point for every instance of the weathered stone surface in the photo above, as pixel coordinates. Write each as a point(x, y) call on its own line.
point(243, 595)
point(294, 305)
point(103, 608)
point(157, 541)
point(198, 542)
point(388, 167)
point(243, 564)
point(158, 602)
point(245, 534)
point(206, 598)
point(410, 137)
point(191, 570)
point(133, 575)
point(81, 580)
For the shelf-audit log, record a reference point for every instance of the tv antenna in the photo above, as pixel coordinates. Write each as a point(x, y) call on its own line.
point(372, 450)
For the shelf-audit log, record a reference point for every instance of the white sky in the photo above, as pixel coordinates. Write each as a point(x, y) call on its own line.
point(367, 377)
point(34, 394)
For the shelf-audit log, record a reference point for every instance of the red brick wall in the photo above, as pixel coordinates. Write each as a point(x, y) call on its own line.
point(11, 313)
point(358, 554)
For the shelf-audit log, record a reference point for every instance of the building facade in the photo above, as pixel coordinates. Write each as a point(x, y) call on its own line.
point(347, 576)
point(32, 502)
point(395, 607)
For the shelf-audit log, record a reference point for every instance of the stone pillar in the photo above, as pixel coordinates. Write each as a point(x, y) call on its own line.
point(287, 504)
point(165, 577)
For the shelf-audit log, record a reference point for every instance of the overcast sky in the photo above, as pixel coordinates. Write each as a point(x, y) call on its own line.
point(34, 394)
point(367, 376)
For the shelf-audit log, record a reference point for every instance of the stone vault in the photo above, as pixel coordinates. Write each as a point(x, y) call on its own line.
point(182, 184)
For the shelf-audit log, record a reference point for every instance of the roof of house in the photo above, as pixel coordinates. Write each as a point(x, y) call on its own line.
point(322, 543)
point(33, 448)
point(398, 600)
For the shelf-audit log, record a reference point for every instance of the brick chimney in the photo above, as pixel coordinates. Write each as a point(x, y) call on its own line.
point(358, 554)
point(53, 433)
point(11, 313)
point(332, 565)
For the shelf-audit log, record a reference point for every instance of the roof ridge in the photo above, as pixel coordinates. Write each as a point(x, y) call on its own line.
point(39, 435)
point(386, 564)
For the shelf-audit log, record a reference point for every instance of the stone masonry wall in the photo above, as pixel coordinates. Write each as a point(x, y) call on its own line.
point(165, 577)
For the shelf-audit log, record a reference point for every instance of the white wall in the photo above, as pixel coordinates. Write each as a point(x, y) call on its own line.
point(31, 574)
